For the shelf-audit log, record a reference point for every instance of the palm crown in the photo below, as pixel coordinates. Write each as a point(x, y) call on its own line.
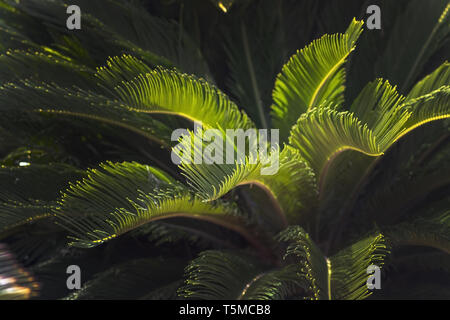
point(362, 174)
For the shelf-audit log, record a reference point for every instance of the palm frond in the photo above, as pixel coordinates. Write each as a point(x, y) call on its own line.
point(349, 266)
point(117, 198)
point(44, 98)
point(341, 276)
point(113, 32)
point(227, 275)
point(323, 133)
point(213, 179)
point(435, 80)
point(44, 66)
point(379, 106)
point(313, 77)
point(313, 265)
point(427, 108)
point(166, 91)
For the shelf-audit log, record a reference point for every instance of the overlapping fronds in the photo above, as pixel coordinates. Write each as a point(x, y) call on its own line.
point(168, 91)
point(26, 197)
point(219, 275)
point(427, 108)
point(47, 98)
point(314, 267)
point(435, 80)
point(312, 77)
point(49, 66)
point(109, 28)
point(342, 276)
point(117, 198)
point(379, 106)
point(14, 214)
point(15, 282)
point(119, 69)
point(230, 275)
point(223, 5)
point(280, 173)
point(322, 133)
point(349, 267)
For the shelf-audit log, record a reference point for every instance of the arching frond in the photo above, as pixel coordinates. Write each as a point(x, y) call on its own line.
point(223, 5)
point(349, 267)
point(427, 108)
point(43, 66)
point(313, 265)
point(313, 77)
point(109, 28)
point(27, 182)
point(219, 275)
point(14, 214)
point(228, 275)
point(117, 198)
point(342, 276)
point(280, 174)
point(379, 106)
point(39, 97)
point(26, 197)
point(321, 134)
point(435, 80)
point(165, 91)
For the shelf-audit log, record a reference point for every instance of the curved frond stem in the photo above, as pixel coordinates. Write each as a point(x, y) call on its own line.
point(315, 96)
point(279, 211)
point(249, 284)
point(421, 123)
point(236, 227)
point(351, 201)
point(324, 171)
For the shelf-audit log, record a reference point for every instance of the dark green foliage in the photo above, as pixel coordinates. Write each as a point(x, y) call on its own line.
point(86, 176)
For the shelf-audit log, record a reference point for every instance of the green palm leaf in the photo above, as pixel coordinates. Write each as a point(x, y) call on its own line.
point(230, 275)
point(169, 92)
point(322, 134)
point(313, 77)
point(342, 276)
point(212, 180)
point(117, 198)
